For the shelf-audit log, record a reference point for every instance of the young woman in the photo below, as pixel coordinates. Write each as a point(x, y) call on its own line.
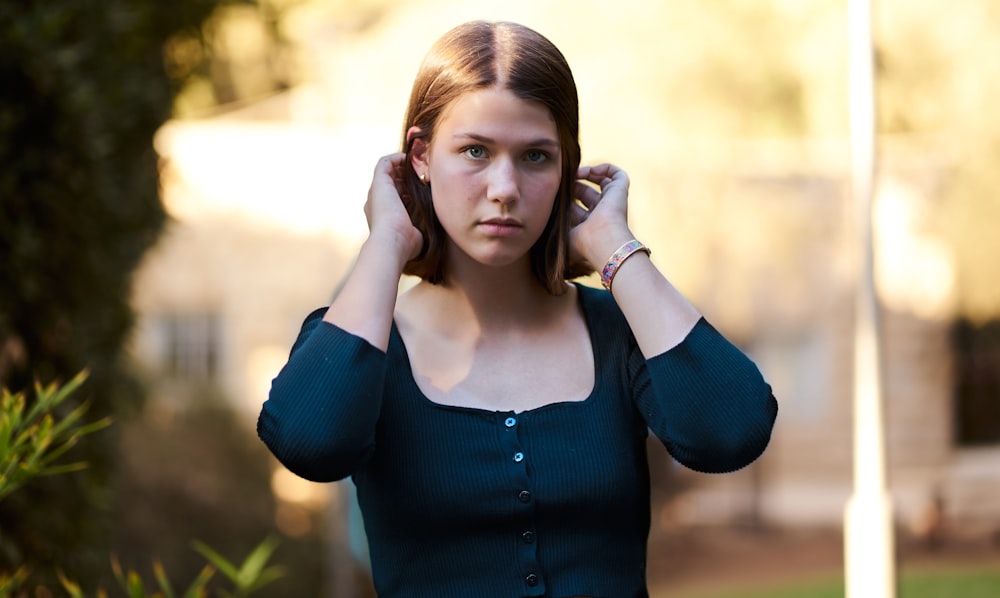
point(494, 416)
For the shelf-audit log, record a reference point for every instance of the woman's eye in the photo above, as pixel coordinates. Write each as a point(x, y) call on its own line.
point(536, 156)
point(476, 152)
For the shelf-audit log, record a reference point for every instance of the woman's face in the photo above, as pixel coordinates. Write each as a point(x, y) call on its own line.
point(494, 166)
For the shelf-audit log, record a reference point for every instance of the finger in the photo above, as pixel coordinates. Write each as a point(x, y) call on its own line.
point(617, 179)
point(587, 194)
point(390, 172)
point(577, 214)
point(595, 171)
point(589, 173)
point(600, 172)
point(595, 174)
point(389, 163)
point(617, 175)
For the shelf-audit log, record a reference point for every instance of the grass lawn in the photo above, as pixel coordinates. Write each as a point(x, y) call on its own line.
point(938, 583)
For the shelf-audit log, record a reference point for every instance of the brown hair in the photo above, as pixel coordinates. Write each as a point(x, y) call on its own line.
point(480, 55)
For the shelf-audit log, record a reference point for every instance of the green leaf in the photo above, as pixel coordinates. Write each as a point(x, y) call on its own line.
point(9, 583)
point(254, 564)
point(116, 569)
point(197, 587)
point(252, 574)
point(220, 562)
point(57, 452)
point(267, 576)
point(135, 588)
point(70, 418)
point(30, 445)
point(78, 433)
point(25, 437)
point(94, 426)
point(161, 578)
point(71, 588)
point(67, 468)
point(50, 396)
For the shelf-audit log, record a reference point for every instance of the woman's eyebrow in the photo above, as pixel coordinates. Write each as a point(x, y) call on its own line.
point(540, 142)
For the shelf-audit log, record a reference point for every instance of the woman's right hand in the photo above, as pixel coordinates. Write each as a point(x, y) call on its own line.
point(389, 222)
point(367, 298)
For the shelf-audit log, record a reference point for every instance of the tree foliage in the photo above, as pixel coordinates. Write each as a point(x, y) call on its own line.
point(83, 90)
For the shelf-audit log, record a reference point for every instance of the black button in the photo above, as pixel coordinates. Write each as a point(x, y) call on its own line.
point(524, 496)
point(531, 579)
point(528, 537)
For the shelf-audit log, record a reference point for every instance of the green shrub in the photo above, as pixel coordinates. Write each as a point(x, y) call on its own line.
point(33, 439)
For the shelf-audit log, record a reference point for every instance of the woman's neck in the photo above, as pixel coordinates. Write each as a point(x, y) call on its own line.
point(490, 298)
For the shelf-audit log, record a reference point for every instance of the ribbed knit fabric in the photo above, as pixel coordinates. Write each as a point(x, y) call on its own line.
point(554, 502)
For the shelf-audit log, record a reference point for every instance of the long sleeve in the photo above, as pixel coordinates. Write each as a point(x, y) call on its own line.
point(319, 420)
point(706, 401)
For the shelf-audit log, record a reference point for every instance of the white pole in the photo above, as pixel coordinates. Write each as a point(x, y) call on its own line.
point(869, 560)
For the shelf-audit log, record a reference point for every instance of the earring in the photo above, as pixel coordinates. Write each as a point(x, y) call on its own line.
point(423, 177)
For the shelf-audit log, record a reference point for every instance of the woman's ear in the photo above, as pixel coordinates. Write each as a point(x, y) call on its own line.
point(419, 152)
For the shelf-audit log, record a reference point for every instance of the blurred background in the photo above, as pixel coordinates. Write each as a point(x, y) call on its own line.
point(181, 183)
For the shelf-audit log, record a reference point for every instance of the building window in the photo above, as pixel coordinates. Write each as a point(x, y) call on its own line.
point(977, 383)
point(191, 346)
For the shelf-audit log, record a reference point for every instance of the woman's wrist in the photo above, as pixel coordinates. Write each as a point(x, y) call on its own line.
point(619, 257)
point(599, 245)
point(392, 245)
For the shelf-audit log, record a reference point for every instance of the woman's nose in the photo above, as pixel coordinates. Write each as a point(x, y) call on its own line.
point(504, 183)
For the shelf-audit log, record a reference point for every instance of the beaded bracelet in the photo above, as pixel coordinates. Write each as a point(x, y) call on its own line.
point(618, 258)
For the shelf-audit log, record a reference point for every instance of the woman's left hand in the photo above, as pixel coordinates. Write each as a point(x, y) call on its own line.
point(600, 225)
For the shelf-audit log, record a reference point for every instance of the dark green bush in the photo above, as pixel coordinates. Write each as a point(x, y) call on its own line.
point(83, 91)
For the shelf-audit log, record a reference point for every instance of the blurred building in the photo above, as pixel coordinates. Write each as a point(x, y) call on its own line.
point(783, 287)
point(221, 297)
point(267, 213)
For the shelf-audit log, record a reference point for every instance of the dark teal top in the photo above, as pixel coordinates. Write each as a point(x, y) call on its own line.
point(460, 502)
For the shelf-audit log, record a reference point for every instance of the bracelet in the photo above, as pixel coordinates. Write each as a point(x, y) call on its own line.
point(618, 258)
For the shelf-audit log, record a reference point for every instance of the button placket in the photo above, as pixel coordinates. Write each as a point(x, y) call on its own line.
point(512, 433)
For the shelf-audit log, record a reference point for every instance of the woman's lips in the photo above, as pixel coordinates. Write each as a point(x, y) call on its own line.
point(500, 227)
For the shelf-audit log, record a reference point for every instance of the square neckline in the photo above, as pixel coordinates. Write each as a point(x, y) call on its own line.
point(581, 291)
